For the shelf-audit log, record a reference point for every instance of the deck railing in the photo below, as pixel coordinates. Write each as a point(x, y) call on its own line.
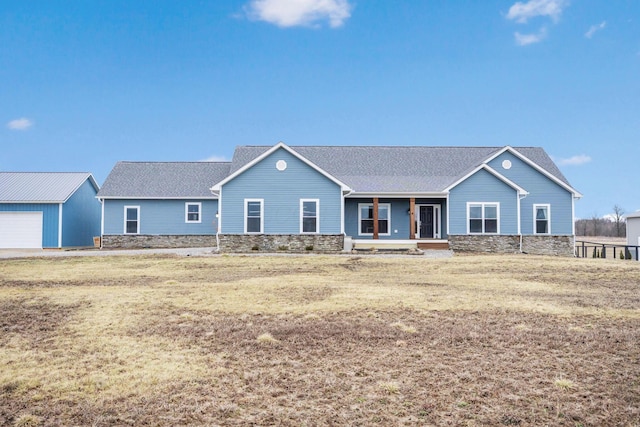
point(586, 249)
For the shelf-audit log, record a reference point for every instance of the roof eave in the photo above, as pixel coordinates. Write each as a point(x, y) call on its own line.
point(356, 194)
point(214, 197)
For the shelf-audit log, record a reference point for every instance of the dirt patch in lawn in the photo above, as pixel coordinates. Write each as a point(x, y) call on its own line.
point(398, 367)
point(36, 320)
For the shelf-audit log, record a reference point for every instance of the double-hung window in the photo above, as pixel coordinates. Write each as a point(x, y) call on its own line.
point(192, 212)
point(253, 216)
point(365, 219)
point(132, 220)
point(309, 216)
point(541, 219)
point(483, 218)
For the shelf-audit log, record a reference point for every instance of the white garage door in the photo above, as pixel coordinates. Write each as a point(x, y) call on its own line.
point(20, 230)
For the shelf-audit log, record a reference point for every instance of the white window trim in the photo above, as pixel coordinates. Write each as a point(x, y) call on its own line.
point(360, 205)
point(186, 212)
point(137, 208)
point(483, 204)
point(535, 208)
point(317, 217)
point(246, 203)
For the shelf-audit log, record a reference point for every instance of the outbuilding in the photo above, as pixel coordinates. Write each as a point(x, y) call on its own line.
point(633, 229)
point(48, 210)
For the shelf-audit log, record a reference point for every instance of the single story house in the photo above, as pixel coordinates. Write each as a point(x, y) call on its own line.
point(48, 210)
point(326, 198)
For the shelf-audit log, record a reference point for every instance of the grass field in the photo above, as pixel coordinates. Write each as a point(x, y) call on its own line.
point(319, 340)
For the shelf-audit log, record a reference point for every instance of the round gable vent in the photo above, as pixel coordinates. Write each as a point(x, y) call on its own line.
point(506, 164)
point(281, 165)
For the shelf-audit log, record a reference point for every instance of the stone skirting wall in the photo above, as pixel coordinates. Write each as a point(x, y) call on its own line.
point(536, 245)
point(137, 241)
point(247, 243)
point(549, 245)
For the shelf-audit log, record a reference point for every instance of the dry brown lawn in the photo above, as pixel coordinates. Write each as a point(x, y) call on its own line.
point(319, 340)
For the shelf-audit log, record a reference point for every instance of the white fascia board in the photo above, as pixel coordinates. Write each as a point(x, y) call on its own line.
point(157, 198)
point(534, 165)
point(493, 172)
point(356, 195)
point(91, 180)
point(270, 151)
point(27, 202)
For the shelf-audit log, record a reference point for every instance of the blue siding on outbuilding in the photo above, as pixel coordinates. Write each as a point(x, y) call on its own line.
point(281, 191)
point(483, 187)
point(161, 217)
point(542, 190)
point(81, 217)
point(50, 219)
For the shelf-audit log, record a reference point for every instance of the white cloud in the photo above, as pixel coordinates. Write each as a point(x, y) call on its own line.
point(527, 39)
point(522, 12)
point(292, 13)
point(215, 158)
point(578, 160)
point(20, 124)
point(595, 28)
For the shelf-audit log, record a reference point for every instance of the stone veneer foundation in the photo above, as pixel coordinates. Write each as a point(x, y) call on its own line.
point(138, 241)
point(252, 243)
point(535, 245)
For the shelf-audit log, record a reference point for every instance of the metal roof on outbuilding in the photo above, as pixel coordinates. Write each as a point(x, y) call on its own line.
point(41, 187)
point(163, 180)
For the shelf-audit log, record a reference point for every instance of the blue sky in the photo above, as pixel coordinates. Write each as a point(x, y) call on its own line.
point(84, 84)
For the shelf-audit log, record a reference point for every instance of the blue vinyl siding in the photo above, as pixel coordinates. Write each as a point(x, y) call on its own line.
point(281, 192)
point(542, 190)
point(161, 217)
point(400, 219)
point(483, 187)
point(81, 217)
point(50, 222)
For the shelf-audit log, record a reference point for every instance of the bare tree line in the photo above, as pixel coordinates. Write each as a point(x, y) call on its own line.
point(612, 226)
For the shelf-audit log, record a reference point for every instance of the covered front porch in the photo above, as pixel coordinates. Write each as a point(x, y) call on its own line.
point(397, 222)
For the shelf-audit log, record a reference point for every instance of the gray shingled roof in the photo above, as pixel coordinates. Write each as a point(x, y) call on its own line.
point(163, 179)
point(41, 187)
point(397, 169)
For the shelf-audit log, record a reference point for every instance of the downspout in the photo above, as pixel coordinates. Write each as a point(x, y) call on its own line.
point(347, 243)
point(101, 222)
point(343, 197)
point(447, 214)
point(573, 222)
point(218, 218)
point(520, 197)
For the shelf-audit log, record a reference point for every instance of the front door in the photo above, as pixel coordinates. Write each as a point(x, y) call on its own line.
point(428, 222)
